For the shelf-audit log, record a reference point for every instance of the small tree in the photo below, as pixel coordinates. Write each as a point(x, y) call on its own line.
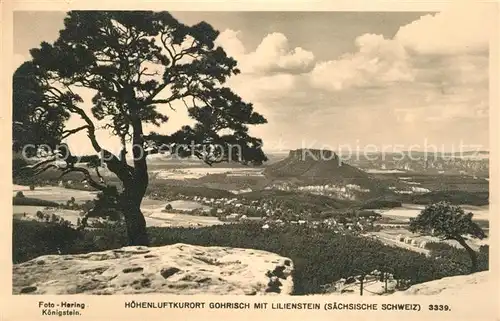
point(54, 218)
point(449, 223)
point(40, 215)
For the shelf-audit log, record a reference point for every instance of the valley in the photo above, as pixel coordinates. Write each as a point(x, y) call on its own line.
point(291, 189)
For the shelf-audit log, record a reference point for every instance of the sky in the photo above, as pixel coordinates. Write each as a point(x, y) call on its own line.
point(338, 80)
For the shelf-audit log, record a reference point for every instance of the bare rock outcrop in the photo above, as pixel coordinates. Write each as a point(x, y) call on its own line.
point(467, 285)
point(174, 269)
point(472, 284)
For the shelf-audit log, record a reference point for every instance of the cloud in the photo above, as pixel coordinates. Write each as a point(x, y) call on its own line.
point(431, 78)
point(272, 55)
point(378, 61)
point(453, 111)
point(443, 111)
point(452, 71)
point(463, 28)
point(428, 81)
point(269, 73)
point(230, 41)
point(385, 86)
point(446, 48)
point(263, 88)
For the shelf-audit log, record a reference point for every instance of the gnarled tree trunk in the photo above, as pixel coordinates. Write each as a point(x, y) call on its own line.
point(135, 223)
point(131, 206)
point(471, 252)
point(135, 188)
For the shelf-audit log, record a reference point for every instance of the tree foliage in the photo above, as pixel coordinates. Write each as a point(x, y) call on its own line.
point(449, 222)
point(134, 62)
point(36, 120)
point(129, 58)
point(446, 221)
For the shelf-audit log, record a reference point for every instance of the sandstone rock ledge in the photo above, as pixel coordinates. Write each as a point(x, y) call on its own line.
point(472, 285)
point(174, 269)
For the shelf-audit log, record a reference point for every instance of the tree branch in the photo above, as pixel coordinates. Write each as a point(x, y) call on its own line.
point(41, 163)
point(170, 53)
point(174, 57)
point(90, 127)
point(45, 169)
point(155, 92)
point(121, 169)
point(70, 132)
point(88, 177)
point(172, 98)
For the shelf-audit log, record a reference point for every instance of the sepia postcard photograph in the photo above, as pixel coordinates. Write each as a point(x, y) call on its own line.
point(294, 164)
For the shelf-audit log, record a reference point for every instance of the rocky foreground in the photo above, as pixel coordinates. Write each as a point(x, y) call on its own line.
point(460, 285)
point(174, 269)
point(188, 269)
point(467, 285)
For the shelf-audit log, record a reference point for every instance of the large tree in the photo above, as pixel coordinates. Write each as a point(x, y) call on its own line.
point(134, 62)
point(448, 222)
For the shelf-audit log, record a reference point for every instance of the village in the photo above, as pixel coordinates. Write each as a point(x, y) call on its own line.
point(273, 213)
point(347, 192)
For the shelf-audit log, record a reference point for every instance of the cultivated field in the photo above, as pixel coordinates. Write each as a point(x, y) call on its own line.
point(411, 210)
point(152, 209)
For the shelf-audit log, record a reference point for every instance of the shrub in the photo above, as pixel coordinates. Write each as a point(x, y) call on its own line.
point(29, 201)
point(19, 195)
point(40, 215)
point(485, 249)
point(31, 239)
point(438, 247)
point(18, 163)
point(458, 259)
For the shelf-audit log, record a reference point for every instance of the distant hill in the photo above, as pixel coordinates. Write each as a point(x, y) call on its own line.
point(316, 168)
point(472, 152)
point(440, 153)
point(321, 167)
